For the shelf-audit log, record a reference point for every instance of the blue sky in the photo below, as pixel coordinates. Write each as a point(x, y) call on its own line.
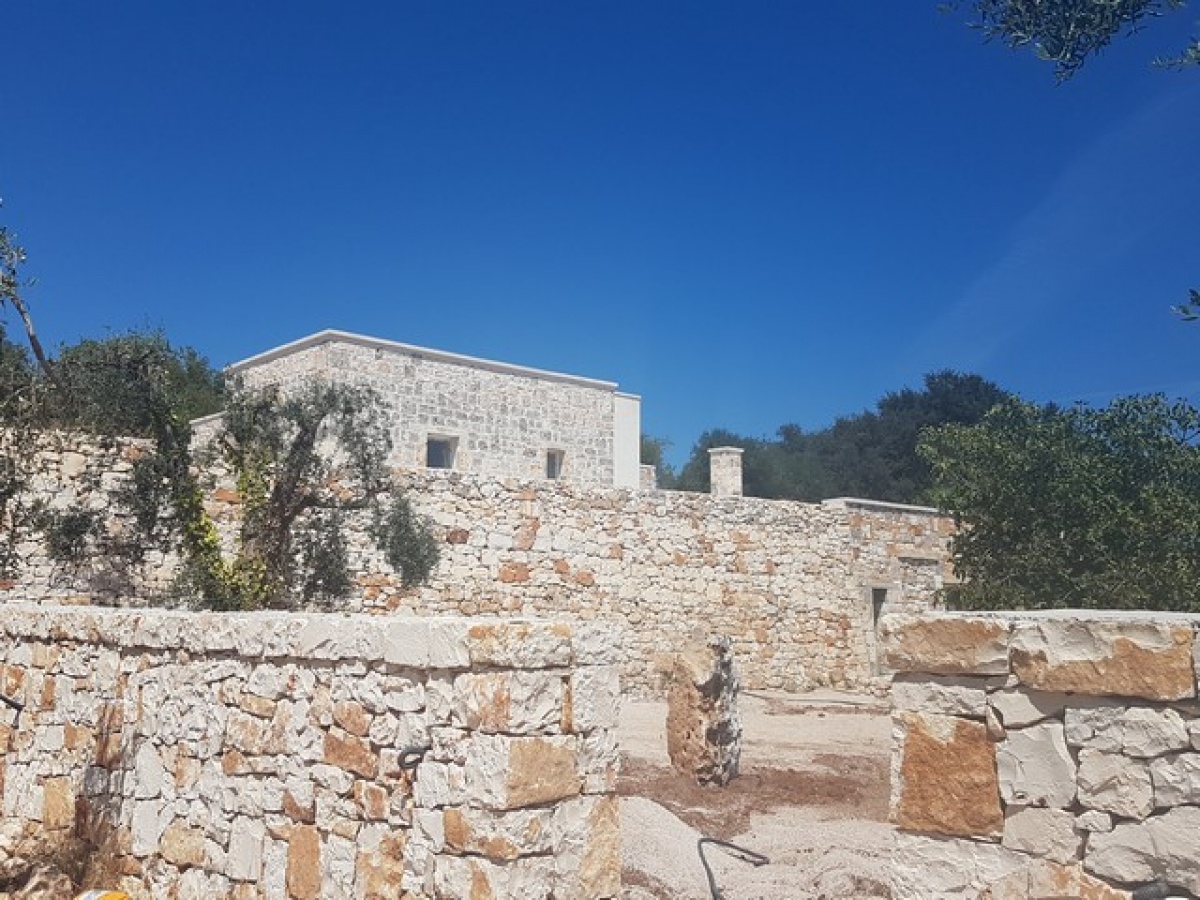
point(749, 213)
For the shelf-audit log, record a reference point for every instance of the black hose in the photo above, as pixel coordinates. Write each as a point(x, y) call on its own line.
point(13, 704)
point(755, 859)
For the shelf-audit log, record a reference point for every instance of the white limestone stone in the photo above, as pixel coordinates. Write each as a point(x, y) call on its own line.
point(595, 697)
point(1094, 820)
point(245, 858)
point(1048, 833)
point(946, 695)
point(928, 868)
point(1176, 779)
point(1020, 707)
point(1115, 783)
point(1035, 767)
point(1162, 848)
point(1138, 731)
point(149, 774)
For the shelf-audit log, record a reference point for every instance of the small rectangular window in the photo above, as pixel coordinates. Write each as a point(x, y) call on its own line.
point(439, 452)
point(554, 463)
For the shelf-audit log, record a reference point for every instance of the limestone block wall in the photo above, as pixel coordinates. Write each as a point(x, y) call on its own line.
point(295, 757)
point(503, 419)
point(797, 587)
point(1043, 755)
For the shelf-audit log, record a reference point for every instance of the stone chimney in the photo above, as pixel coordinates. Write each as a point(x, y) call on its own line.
point(647, 478)
point(725, 471)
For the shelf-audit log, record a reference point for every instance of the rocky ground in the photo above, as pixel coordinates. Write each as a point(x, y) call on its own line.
point(812, 797)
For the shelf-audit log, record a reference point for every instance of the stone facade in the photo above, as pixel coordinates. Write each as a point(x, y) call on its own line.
point(489, 418)
point(796, 587)
point(1041, 755)
point(297, 757)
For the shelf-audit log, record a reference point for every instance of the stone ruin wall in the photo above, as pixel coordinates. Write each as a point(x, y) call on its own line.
point(1041, 755)
point(504, 420)
point(264, 757)
point(790, 583)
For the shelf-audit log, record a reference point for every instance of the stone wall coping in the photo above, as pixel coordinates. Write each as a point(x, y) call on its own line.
point(330, 335)
point(880, 505)
point(449, 642)
point(1118, 653)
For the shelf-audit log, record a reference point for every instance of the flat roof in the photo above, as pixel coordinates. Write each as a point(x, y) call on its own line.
point(330, 336)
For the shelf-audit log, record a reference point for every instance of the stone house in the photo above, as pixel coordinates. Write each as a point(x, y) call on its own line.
point(473, 415)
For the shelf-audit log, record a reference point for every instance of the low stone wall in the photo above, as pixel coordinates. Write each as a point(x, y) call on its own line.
point(295, 757)
point(1045, 755)
point(795, 586)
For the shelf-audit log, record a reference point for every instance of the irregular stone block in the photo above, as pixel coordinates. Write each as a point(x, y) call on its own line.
point(508, 702)
point(943, 695)
point(1045, 880)
point(1176, 780)
point(704, 730)
point(595, 699)
point(1162, 848)
point(1115, 784)
point(587, 848)
point(947, 778)
point(1018, 708)
point(1094, 820)
point(1048, 833)
point(499, 836)
point(945, 644)
point(1135, 731)
point(304, 869)
point(1105, 657)
point(1035, 767)
point(931, 868)
point(519, 645)
point(460, 878)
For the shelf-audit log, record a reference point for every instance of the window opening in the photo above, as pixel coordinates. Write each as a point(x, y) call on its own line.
point(554, 463)
point(439, 452)
point(878, 598)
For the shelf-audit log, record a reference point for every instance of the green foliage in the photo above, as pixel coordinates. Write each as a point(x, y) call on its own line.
point(871, 454)
point(301, 461)
point(653, 453)
point(405, 540)
point(1074, 508)
point(1069, 32)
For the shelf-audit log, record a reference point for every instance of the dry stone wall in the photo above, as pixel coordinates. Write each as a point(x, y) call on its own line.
point(1045, 755)
point(796, 587)
point(297, 757)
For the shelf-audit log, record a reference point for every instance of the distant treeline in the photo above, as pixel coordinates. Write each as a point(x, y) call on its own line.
point(870, 454)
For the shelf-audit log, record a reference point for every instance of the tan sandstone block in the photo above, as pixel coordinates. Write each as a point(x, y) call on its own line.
point(501, 837)
point(513, 573)
point(541, 771)
point(346, 751)
point(182, 846)
point(303, 874)
point(379, 872)
point(945, 644)
point(58, 810)
point(948, 782)
point(1105, 658)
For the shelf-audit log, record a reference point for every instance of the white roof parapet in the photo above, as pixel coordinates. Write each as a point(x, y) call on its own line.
point(345, 337)
point(881, 505)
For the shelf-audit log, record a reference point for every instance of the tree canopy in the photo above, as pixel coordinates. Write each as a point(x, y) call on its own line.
point(870, 454)
point(1068, 33)
point(1076, 507)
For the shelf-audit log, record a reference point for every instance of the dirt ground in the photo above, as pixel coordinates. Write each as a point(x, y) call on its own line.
point(811, 797)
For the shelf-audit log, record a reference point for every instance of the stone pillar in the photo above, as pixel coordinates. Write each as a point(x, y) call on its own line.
point(725, 471)
point(704, 731)
point(647, 478)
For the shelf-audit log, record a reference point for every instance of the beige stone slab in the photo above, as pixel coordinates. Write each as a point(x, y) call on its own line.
point(947, 781)
point(945, 644)
point(1134, 657)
